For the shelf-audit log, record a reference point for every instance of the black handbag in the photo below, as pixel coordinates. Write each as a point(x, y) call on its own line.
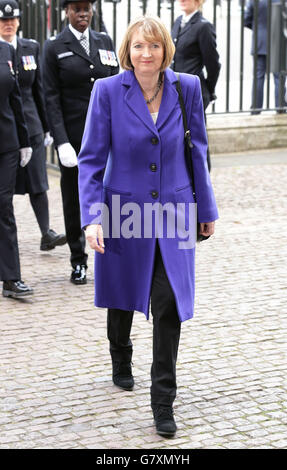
point(188, 151)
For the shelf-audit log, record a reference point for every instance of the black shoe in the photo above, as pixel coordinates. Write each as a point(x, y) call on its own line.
point(16, 289)
point(78, 275)
point(52, 239)
point(122, 375)
point(164, 420)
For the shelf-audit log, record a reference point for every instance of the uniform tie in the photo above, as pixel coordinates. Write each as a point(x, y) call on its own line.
point(84, 43)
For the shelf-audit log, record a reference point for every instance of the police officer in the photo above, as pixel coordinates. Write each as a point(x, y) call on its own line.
point(33, 178)
point(195, 41)
point(13, 136)
point(71, 63)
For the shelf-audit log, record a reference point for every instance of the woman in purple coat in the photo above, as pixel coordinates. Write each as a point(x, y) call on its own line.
point(135, 193)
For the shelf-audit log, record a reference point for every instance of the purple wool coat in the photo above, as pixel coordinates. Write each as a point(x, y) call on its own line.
point(125, 154)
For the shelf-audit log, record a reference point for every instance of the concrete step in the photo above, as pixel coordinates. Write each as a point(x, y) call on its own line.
point(228, 133)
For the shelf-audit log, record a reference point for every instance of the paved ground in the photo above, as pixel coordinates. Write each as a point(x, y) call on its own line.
point(55, 371)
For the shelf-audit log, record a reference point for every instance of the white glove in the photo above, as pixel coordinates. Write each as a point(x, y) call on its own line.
point(25, 155)
point(67, 155)
point(48, 139)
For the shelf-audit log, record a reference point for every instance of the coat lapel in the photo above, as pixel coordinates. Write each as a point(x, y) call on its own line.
point(136, 102)
point(95, 45)
point(74, 45)
point(176, 28)
point(169, 98)
point(194, 19)
point(20, 51)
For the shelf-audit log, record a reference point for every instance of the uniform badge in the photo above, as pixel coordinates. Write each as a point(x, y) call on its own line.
point(108, 58)
point(103, 56)
point(8, 8)
point(33, 63)
point(25, 63)
point(29, 62)
point(114, 59)
point(65, 54)
point(11, 67)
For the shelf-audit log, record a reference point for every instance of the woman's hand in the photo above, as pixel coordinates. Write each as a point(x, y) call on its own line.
point(94, 235)
point(207, 228)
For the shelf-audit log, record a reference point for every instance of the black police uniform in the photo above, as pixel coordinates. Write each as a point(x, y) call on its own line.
point(13, 136)
point(68, 77)
point(32, 178)
point(195, 50)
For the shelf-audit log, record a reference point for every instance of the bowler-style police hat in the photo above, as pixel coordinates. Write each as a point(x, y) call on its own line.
point(64, 3)
point(9, 9)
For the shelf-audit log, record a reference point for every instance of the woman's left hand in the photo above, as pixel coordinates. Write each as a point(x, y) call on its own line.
point(94, 235)
point(207, 228)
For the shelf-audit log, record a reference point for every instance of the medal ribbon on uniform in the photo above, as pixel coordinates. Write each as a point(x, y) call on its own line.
point(108, 57)
point(11, 67)
point(29, 62)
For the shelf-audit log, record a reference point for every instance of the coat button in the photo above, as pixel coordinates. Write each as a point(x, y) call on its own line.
point(153, 167)
point(92, 66)
point(154, 194)
point(92, 79)
point(154, 140)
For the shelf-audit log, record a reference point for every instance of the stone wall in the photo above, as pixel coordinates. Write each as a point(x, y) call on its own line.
point(229, 133)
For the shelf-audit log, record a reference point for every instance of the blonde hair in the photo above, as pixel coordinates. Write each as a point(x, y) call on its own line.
point(200, 4)
point(152, 29)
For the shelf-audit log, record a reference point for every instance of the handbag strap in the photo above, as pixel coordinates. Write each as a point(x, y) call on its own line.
point(187, 135)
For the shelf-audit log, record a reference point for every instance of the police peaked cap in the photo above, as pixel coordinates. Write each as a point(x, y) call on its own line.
point(64, 3)
point(9, 9)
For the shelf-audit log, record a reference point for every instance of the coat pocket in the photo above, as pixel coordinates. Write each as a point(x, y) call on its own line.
point(117, 191)
point(182, 188)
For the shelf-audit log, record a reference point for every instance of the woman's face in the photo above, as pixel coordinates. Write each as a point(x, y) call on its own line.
point(188, 6)
point(80, 15)
point(8, 28)
point(146, 56)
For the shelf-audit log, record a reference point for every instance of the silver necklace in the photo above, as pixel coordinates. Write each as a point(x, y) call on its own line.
point(158, 87)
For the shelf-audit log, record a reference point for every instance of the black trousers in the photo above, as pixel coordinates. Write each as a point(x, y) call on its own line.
point(71, 208)
point(40, 205)
point(166, 334)
point(9, 253)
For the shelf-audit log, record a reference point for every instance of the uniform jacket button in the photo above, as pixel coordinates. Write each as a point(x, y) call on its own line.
point(154, 194)
point(92, 79)
point(92, 66)
point(153, 167)
point(154, 140)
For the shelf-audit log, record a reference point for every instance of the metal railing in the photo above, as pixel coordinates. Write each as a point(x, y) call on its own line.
point(237, 85)
point(43, 18)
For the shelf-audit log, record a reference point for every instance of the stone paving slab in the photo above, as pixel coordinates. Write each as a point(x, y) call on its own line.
point(55, 371)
